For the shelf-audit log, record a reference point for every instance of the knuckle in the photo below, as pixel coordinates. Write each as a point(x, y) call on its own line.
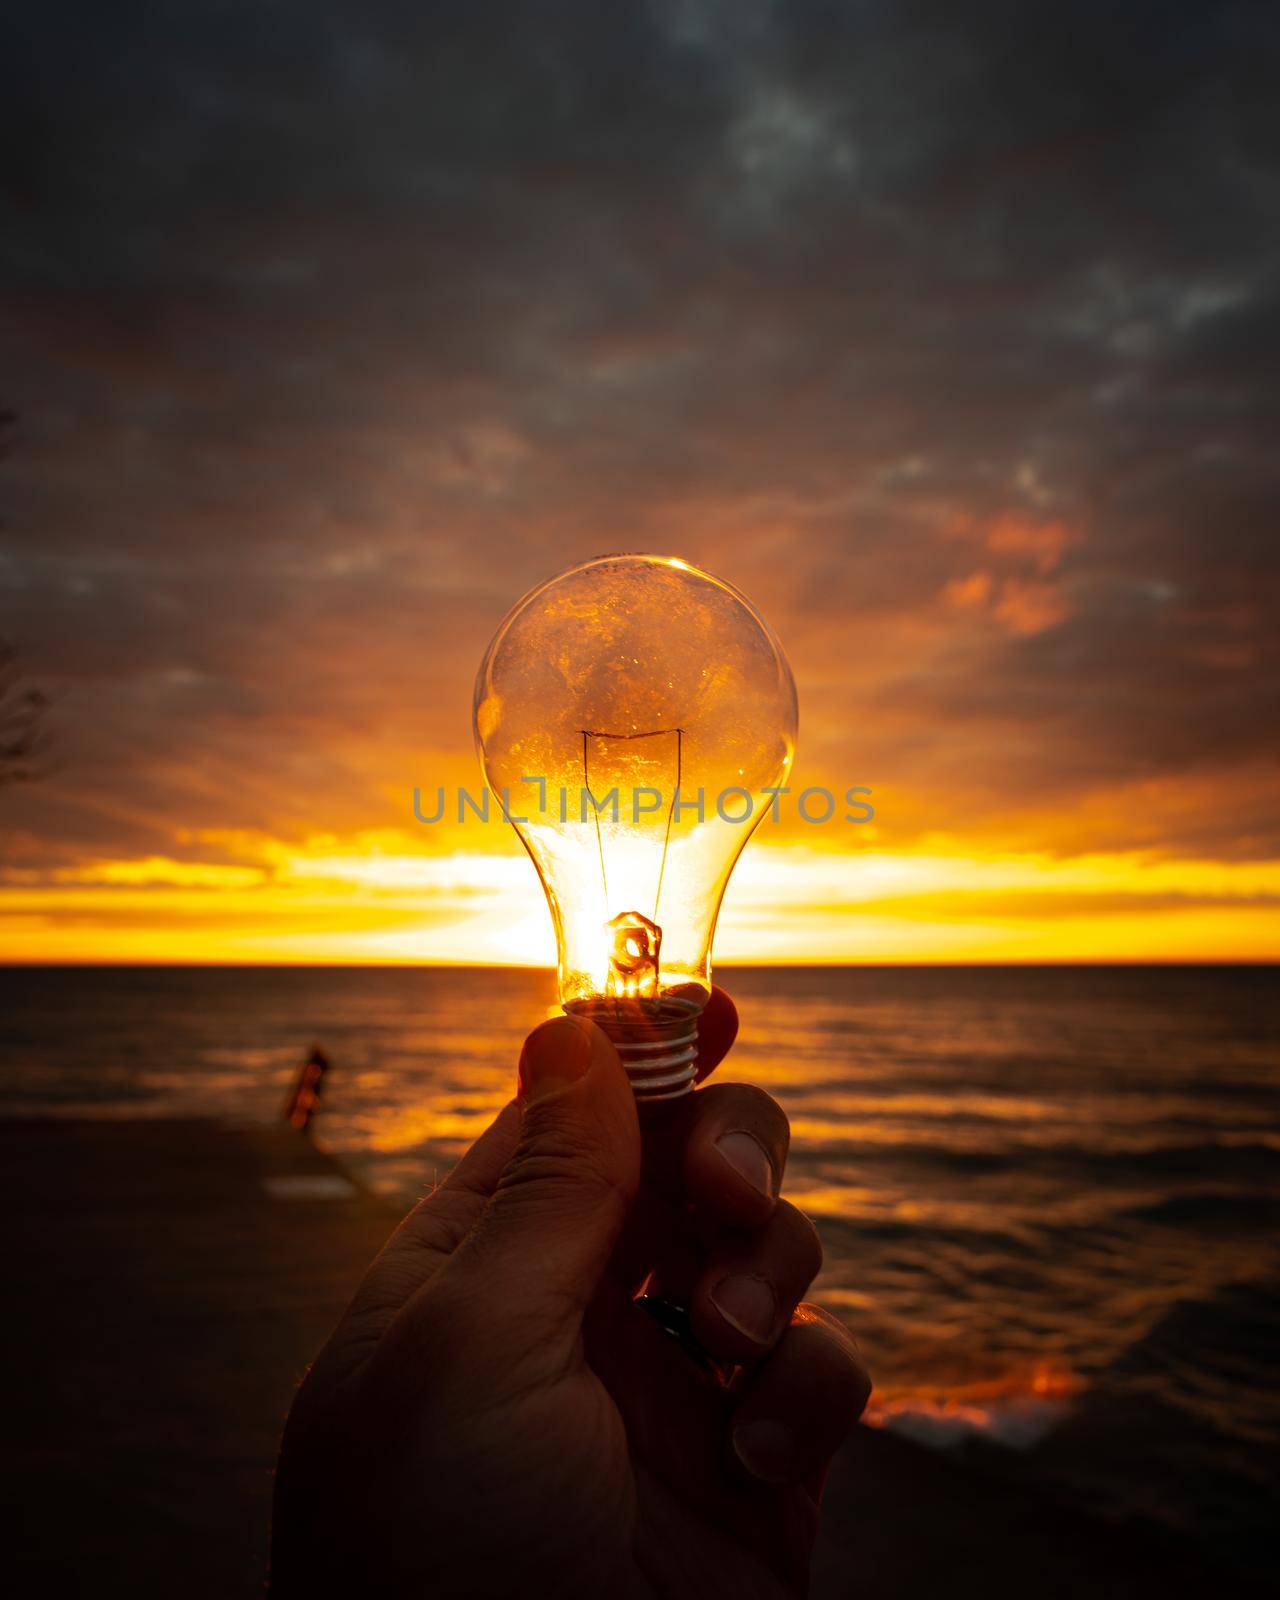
point(439, 1222)
point(814, 1322)
point(437, 1366)
point(566, 1163)
point(800, 1237)
point(436, 1323)
point(744, 1105)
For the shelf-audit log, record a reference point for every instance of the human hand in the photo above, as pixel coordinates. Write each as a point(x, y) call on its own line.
point(495, 1416)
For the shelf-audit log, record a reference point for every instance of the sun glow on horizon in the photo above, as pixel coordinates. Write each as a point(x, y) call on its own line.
point(373, 899)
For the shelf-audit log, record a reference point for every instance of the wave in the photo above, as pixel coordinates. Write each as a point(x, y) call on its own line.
point(1246, 1158)
point(1239, 1324)
point(1014, 1413)
point(1014, 1424)
point(1213, 1208)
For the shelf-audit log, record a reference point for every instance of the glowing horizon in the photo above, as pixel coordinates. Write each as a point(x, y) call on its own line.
point(373, 901)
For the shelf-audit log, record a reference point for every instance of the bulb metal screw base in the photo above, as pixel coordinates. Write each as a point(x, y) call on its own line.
point(658, 1046)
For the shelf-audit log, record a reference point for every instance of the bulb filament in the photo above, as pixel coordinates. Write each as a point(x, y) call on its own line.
point(635, 941)
point(633, 956)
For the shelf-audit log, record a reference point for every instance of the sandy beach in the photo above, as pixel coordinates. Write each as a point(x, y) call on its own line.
point(178, 1275)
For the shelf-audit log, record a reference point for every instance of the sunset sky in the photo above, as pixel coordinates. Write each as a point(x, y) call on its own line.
point(948, 333)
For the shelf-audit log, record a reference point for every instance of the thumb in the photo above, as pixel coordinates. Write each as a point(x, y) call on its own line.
point(538, 1252)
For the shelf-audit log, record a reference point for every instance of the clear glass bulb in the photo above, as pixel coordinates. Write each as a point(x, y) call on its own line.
point(632, 714)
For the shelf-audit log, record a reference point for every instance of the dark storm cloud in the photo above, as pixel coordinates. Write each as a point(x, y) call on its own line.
point(949, 333)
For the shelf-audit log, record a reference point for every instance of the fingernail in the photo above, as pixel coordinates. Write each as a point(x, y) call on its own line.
point(746, 1155)
point(767, 1449)
point(555, 1053)
point(748, 1304)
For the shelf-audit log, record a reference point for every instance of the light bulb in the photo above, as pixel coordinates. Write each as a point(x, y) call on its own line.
point(633, 715)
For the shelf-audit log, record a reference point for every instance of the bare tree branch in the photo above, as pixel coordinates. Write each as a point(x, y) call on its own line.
point(24, 739)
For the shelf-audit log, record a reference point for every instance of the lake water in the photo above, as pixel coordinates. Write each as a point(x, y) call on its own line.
point(1048, 1196)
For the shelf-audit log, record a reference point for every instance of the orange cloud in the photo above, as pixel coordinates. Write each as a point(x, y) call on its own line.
point(968, 593)
point(1029, 608)
point(1023, 607)
point(1040, 543)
